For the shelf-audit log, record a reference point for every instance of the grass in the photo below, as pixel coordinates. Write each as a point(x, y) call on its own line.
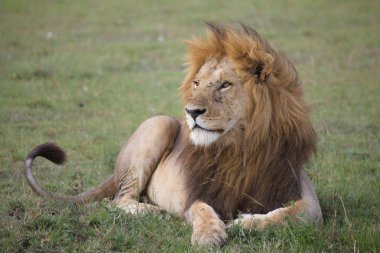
point(85, 74)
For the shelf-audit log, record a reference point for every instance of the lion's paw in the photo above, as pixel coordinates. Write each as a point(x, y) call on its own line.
point(210, 233)
point(141, 209)
point(251, 221)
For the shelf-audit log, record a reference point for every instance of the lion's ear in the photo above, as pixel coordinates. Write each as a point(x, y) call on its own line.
point(263, 69)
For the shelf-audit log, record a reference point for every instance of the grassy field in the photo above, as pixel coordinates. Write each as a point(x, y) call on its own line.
point(84, 74)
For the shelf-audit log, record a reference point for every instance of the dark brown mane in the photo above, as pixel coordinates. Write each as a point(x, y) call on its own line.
point(258, 171)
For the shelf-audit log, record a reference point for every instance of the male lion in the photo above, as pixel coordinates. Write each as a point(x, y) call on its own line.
point(236, 157)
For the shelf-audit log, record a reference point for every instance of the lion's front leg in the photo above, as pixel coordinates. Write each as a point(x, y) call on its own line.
point(261, 221)
point(138, 160)
point(305, 210)
point(208, 229)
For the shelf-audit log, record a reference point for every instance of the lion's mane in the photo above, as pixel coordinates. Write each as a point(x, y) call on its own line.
point(257, 169)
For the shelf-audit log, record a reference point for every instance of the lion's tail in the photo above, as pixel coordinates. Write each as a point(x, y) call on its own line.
point(55, 154)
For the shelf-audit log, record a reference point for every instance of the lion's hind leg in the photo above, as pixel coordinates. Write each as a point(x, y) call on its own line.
point(138, 160)
point(305, 210)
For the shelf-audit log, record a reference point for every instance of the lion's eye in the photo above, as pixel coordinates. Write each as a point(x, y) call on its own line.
point(196, 83)
point(225, 85)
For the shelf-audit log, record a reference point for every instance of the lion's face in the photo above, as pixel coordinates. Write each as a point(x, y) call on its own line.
point(216, 102)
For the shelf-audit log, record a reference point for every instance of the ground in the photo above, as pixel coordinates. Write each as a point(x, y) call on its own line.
point(84, 74)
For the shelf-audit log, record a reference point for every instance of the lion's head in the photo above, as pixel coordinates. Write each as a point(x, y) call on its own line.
point(228, 76)
point(216, 103)
point(246, 116)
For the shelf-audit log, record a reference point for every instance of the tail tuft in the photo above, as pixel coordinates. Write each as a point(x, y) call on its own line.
point(56, 155)
point(49, 151)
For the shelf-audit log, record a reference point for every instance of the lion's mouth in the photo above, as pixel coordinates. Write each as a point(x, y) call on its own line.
point(207, 130)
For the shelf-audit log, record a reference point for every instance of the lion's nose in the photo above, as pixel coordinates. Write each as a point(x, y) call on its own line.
point(195, 113)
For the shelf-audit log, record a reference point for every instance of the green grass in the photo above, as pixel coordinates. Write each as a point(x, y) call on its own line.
point(85, 74)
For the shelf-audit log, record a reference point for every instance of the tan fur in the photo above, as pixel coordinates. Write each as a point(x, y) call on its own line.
point(208, 228)
point(240, 149)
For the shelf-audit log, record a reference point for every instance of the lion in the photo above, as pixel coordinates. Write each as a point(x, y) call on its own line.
point(236, 157)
